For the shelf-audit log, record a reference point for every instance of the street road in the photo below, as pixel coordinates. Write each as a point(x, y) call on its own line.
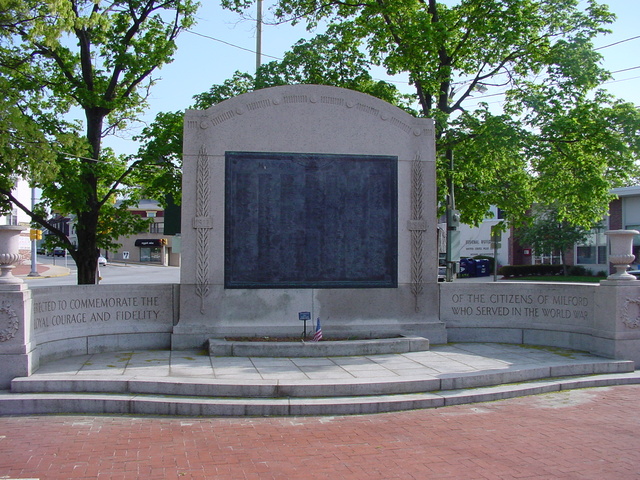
point(112, 274)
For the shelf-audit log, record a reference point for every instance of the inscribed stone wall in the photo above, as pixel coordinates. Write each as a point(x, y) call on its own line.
point(520, 313)
point(107, 318)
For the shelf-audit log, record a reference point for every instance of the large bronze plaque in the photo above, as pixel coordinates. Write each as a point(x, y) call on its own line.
point(310, 220)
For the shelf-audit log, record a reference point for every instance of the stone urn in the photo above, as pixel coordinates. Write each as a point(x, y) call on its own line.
point(621, 253)
point(9, 252)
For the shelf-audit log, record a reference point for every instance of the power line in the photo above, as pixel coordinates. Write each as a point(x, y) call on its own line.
point(617, 43)
point(209, 37)
point(621, 80)
point(230, 44)
point(626, 69)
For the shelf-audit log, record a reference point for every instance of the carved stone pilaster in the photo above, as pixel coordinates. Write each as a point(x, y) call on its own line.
point(203, 223)
point(417, 225)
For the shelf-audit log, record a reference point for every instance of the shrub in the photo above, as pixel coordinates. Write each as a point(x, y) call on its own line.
point(530, 270)
point(579, 271)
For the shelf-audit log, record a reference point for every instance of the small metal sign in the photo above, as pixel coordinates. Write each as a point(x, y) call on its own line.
point(125, 255)
point(304, 316)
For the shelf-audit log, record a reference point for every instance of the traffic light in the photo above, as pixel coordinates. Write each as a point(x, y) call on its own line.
point(35, 234)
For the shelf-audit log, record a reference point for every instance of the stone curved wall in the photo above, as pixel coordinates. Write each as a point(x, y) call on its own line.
point(55, 322)
point(596, 318)
point(85, 319)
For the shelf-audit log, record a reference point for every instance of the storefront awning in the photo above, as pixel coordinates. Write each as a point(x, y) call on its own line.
point(153, 242)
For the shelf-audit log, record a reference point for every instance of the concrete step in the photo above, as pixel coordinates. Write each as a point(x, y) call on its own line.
point(30, 396)
point(209, 387)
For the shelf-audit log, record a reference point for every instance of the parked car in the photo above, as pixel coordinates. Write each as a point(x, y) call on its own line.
point(102, 261)
point(635, 273)
point(58, 252)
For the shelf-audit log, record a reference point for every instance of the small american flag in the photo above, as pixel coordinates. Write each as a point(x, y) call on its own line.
point(318, 335)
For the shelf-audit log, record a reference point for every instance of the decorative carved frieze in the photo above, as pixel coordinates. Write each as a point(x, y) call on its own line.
point(9, 323)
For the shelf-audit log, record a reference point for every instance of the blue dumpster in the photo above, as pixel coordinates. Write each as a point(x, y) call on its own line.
point(482, 267)
point(467, 267)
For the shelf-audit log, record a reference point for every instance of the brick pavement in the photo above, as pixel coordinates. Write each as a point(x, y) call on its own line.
point(45, 270)
point(576, 434)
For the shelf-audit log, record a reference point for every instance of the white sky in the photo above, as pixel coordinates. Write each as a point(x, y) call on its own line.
point(202, 62)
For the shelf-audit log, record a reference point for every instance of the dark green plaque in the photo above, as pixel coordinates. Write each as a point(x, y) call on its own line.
point(310, 220)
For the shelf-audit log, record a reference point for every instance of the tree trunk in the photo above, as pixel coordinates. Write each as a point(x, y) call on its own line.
point(86, 255)
point(87, 269)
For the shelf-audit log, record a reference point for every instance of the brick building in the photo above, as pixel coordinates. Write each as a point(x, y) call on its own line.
point(153, 245)
point(624, 213)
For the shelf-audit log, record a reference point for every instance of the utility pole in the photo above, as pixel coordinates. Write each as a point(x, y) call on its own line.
point(259, 36)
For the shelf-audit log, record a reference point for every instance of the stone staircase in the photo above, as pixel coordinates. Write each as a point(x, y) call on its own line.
point(71, 393)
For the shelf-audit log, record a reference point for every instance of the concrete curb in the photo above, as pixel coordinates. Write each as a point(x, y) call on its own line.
point(219, 347)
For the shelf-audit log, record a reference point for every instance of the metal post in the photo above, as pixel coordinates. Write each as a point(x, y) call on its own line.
point(495, 258)
point(34, 245)
point(451, 221)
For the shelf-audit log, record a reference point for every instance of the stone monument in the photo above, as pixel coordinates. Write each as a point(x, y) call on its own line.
point(16, 347)
point(307, 198)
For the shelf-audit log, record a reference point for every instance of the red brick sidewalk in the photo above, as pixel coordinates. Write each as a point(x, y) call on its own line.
point(43, 269)
point(580, 434)
point(25, 269)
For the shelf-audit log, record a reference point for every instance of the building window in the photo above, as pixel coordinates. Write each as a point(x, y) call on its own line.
point(151, 254)
point(554, 259)
point(157, 227)
point(593, 251)
point(636, 242)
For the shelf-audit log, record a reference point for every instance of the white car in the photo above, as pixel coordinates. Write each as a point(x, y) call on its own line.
point(102, 261)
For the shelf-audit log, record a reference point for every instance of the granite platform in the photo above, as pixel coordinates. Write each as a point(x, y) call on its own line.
point(191, 383)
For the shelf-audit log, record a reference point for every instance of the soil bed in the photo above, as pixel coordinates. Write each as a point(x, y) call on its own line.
point(297, 339)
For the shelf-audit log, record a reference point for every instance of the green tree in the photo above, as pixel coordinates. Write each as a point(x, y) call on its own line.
point(539, 54)
point(327, 59)
point(161, 140)
point(27, 133)
point(98, 57)
point(547, 234)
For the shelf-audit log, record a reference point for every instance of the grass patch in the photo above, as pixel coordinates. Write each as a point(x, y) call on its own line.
point(563, 352)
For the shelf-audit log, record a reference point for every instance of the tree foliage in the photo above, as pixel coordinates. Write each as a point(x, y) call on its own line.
point(555, 139)
point(547, 234)
point(96, 56)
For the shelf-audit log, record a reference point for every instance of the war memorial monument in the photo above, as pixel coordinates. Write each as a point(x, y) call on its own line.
point(312, 199)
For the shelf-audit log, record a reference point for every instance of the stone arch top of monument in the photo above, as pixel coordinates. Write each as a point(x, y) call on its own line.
point(289, 115)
